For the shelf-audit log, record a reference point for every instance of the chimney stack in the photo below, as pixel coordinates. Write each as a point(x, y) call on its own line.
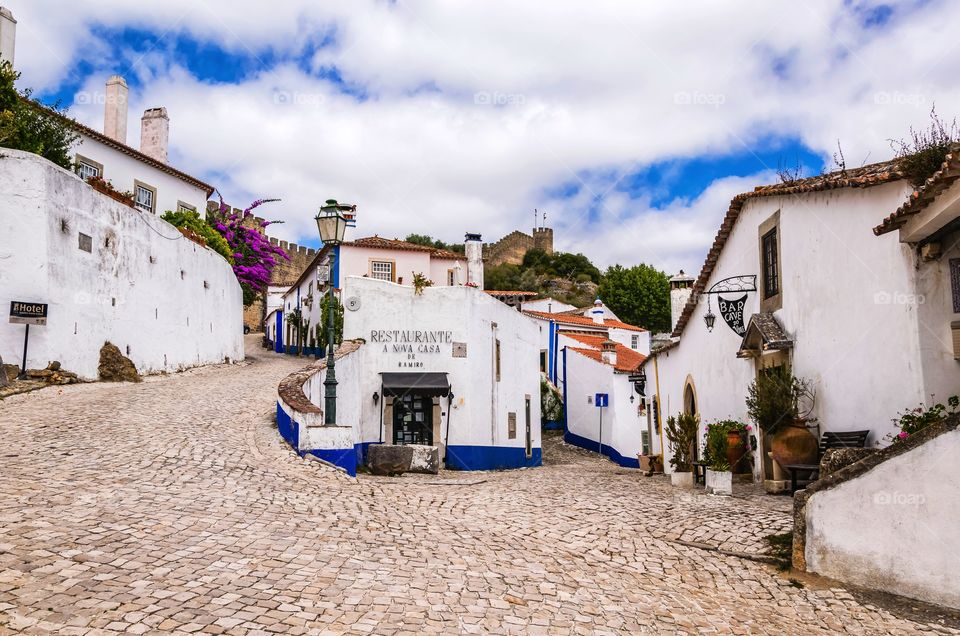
point(681, 286)
point(473, 247)
point(608, 350)
point(115, 109)
point(598, 313)
point(155, 133)
point(8, 35)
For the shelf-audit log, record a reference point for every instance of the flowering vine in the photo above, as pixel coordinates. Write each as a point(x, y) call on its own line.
point(254, 256)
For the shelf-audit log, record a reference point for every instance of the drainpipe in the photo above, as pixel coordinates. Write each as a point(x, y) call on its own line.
point(383, 398)
point(446, 438)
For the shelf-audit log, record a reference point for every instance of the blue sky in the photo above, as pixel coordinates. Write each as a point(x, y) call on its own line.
point(437, 118)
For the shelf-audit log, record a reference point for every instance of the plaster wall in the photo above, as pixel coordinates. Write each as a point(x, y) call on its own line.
point(163, 300)
point(836, 278)
point(122, 170)
point(855, 532)
point(933, 297)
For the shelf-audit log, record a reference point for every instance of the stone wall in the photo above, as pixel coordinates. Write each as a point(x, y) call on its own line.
point(514, 246)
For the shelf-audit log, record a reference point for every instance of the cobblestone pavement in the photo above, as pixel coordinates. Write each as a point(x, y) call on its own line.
point(171, 506)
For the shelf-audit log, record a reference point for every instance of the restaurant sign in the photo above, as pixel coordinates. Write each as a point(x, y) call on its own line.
point(411, 343)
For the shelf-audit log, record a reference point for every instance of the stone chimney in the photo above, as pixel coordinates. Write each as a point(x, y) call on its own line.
point(598, 313)
point(8, 35)
point(473, 247)
point(155, 133)
point(681, 286)
point(115, 109)
point(608, 350)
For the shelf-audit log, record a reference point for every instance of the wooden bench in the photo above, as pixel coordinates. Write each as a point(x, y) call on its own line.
point(830, 439)
point(699, 472)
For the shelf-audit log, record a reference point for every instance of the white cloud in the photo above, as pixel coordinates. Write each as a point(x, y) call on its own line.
point(528, 97)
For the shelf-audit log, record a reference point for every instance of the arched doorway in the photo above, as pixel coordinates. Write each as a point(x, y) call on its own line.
point(690, 407)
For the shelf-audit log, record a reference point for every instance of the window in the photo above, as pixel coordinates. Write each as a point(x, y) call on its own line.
point(543, 361)
point(451, 277)
point(144, 197)
point(771, 269)
point(85, 242)
point(381, 270)
point(88, 168)
point(498, 359)
point(185, 207)
point(634, 341)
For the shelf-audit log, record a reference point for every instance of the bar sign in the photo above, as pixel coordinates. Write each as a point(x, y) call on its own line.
point(26, 313)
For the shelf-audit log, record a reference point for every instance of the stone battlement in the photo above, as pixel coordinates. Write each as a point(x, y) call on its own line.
point(514, 246)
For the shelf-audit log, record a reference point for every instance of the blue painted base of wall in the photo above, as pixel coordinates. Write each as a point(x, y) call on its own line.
point(491, 457)
point(345, 458)
point(608, 451)
point(552, 425)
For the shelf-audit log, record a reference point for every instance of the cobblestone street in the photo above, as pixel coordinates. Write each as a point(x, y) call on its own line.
point(171, 506)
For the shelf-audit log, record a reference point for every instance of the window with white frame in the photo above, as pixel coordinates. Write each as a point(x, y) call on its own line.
point(382, 270)
point(185, 207)
point(88, 169)
point(634, 341)
point(144, 197)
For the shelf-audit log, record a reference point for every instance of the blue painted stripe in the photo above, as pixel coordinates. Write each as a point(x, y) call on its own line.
point(553, 425)
point(566, 416)
point(278, 345)
point(491, 457)
point(289, 430)
point(345, 458)
point(607, 451)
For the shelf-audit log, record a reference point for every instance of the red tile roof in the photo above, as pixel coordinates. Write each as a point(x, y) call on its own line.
point(865, 177)
point(378, 242)
point(926, 194)
point(628, 360)
point(567, 319)
point(501, 292)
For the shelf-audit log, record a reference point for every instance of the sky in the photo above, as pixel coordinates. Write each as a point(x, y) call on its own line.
point(631, 125)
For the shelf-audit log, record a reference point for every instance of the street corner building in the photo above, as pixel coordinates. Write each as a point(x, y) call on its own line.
point(447, 366)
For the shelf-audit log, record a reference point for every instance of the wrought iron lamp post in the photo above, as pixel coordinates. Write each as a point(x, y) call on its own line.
point(332, 223)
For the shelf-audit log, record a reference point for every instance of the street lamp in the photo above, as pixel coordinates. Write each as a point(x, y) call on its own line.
point(332, 223)
point(709, 318)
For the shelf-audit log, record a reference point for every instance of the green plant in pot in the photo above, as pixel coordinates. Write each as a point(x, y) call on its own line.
point(681, 432)
point(781, 405)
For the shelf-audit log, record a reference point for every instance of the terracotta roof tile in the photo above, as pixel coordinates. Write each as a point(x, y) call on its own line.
point(567, 319)
point(500, 292)
point(396, 244)
point(865, 177)
point(628, 360)
point(926, 194)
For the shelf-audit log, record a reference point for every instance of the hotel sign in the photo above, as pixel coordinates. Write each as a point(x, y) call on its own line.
point(24, 313)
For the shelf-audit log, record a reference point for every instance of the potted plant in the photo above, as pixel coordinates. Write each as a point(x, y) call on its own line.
point(681, 432)
point(719, 478)
point(781, 405)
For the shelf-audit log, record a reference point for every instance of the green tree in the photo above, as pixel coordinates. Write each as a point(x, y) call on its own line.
point(640, 295)
point(28, 126)
point(191, 220)
point(429, 241)
point(324, 321)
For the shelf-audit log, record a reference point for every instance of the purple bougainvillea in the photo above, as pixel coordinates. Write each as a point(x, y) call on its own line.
point(253, 254)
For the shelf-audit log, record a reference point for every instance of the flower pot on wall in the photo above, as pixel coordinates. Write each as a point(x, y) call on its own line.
point(794, 445)
point(682, 480)
point(719, 482)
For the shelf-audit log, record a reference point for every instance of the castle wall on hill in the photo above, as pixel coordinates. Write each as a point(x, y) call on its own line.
point(514, 246)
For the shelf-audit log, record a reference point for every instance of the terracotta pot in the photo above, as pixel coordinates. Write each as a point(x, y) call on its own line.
point(736, 449)
point(794, 445)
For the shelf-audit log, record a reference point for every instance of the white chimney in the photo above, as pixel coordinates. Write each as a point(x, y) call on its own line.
point(8, 35)
point(115, 109)
point(608, 350)
point(598, 312)
point(681, 286)
point(155, 133)
point(473, 247)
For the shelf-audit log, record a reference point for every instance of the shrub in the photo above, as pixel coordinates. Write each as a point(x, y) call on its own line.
point(778, 398)
point(681, 432)
point(924, 151)
point(191, 220)
point(915, 420)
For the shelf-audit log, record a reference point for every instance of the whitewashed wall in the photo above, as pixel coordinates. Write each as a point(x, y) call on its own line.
point(892, 527)
point(549, 305)
point(161, 310)
point(933, 298)
point(122, 169)
point(478, 417)
point(861, 352)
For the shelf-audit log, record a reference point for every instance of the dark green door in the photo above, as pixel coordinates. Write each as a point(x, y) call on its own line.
point(413, 420)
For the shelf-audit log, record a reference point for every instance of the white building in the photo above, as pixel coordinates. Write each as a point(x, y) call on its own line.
point(108, 273)
point(548, 305)
point(372, 257)
point(868, 320)
point(449, 367)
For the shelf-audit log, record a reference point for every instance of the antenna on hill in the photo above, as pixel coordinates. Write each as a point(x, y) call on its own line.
point(536, 217)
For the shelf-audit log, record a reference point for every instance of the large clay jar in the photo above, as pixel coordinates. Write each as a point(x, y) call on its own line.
point(794, 445)
point(735, 451)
